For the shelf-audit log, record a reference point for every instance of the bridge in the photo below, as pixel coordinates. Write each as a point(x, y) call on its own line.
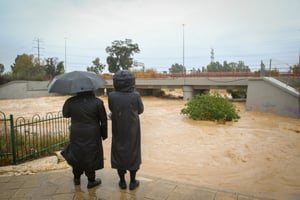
point(264, 94)
point(190, 86)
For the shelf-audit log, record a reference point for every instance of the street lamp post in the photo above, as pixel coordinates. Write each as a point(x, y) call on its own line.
point(183, 46)
point(183, 68)
point(65, 54)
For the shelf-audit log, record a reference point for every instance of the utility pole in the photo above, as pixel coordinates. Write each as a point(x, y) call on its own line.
point(38, 49)
point(270, 67)
point(262, 69)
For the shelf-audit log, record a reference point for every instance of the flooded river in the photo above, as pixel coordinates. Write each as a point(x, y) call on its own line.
point(259, 154)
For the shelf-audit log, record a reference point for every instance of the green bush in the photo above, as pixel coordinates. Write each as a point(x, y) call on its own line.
point(210, 107)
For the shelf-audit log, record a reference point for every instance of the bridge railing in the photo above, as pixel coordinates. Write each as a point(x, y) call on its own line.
point(159, 75)
point(213, 74)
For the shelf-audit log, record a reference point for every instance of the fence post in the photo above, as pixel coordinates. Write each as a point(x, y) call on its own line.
point(13, 142)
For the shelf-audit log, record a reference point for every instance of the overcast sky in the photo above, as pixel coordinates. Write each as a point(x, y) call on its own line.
point(247, 30)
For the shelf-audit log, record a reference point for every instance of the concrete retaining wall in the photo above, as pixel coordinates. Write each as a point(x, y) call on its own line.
point(24, 89)
point(270, 95)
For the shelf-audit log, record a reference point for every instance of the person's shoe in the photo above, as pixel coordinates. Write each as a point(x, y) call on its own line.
point(122, 185)
point(134, 185)
point(76, 181)
point(94, 183)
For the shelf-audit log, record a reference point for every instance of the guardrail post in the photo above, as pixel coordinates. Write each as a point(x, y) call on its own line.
point(13, 142)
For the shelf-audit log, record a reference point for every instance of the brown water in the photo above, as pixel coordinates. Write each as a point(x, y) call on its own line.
point(259, 154)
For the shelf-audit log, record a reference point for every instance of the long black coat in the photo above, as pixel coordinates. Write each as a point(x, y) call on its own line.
point(125, 105)
point(88, 126)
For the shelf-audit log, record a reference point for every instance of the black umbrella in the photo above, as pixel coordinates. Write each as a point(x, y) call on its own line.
point(75, 82)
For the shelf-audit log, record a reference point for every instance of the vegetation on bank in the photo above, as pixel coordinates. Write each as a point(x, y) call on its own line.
point(238, 93)
point(210, 107)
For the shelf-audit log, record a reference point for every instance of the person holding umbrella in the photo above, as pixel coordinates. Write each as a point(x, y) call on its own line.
point(88, 123)
point(125, 105)
point(88, 127)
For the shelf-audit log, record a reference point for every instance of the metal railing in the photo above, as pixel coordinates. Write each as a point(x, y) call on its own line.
point(23, 138)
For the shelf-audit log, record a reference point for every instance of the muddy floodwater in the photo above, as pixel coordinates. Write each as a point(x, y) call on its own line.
point(259, 154)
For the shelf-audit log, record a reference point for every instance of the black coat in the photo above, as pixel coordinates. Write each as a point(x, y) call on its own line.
point(125, 105)
point(88, 126)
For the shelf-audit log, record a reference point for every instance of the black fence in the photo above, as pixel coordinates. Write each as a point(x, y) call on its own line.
point(23, 138)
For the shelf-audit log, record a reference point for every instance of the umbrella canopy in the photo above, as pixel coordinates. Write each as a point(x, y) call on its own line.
point(75, 82)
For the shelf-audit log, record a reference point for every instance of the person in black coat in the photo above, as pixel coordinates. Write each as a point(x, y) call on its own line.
point(88, 129)
point(125, 105)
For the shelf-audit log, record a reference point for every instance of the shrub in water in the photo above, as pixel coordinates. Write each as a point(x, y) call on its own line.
point(210, 107)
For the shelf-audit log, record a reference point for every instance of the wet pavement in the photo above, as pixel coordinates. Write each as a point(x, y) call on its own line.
point(59, 185)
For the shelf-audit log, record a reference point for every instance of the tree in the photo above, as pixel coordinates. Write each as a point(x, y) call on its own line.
point(296, 70)
point(227, 67)
point(53, 67)
point(214, 67)
point(120, 55)
point(27, 67)
point(3, 79)
point(241, 67)
point(60, 68)
point(177, 68)
point(97, 67)
point(1, 68)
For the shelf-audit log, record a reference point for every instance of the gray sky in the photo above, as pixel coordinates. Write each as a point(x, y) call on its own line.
point(247, 30)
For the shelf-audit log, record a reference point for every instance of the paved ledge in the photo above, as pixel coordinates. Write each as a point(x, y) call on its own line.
point(58, 185)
